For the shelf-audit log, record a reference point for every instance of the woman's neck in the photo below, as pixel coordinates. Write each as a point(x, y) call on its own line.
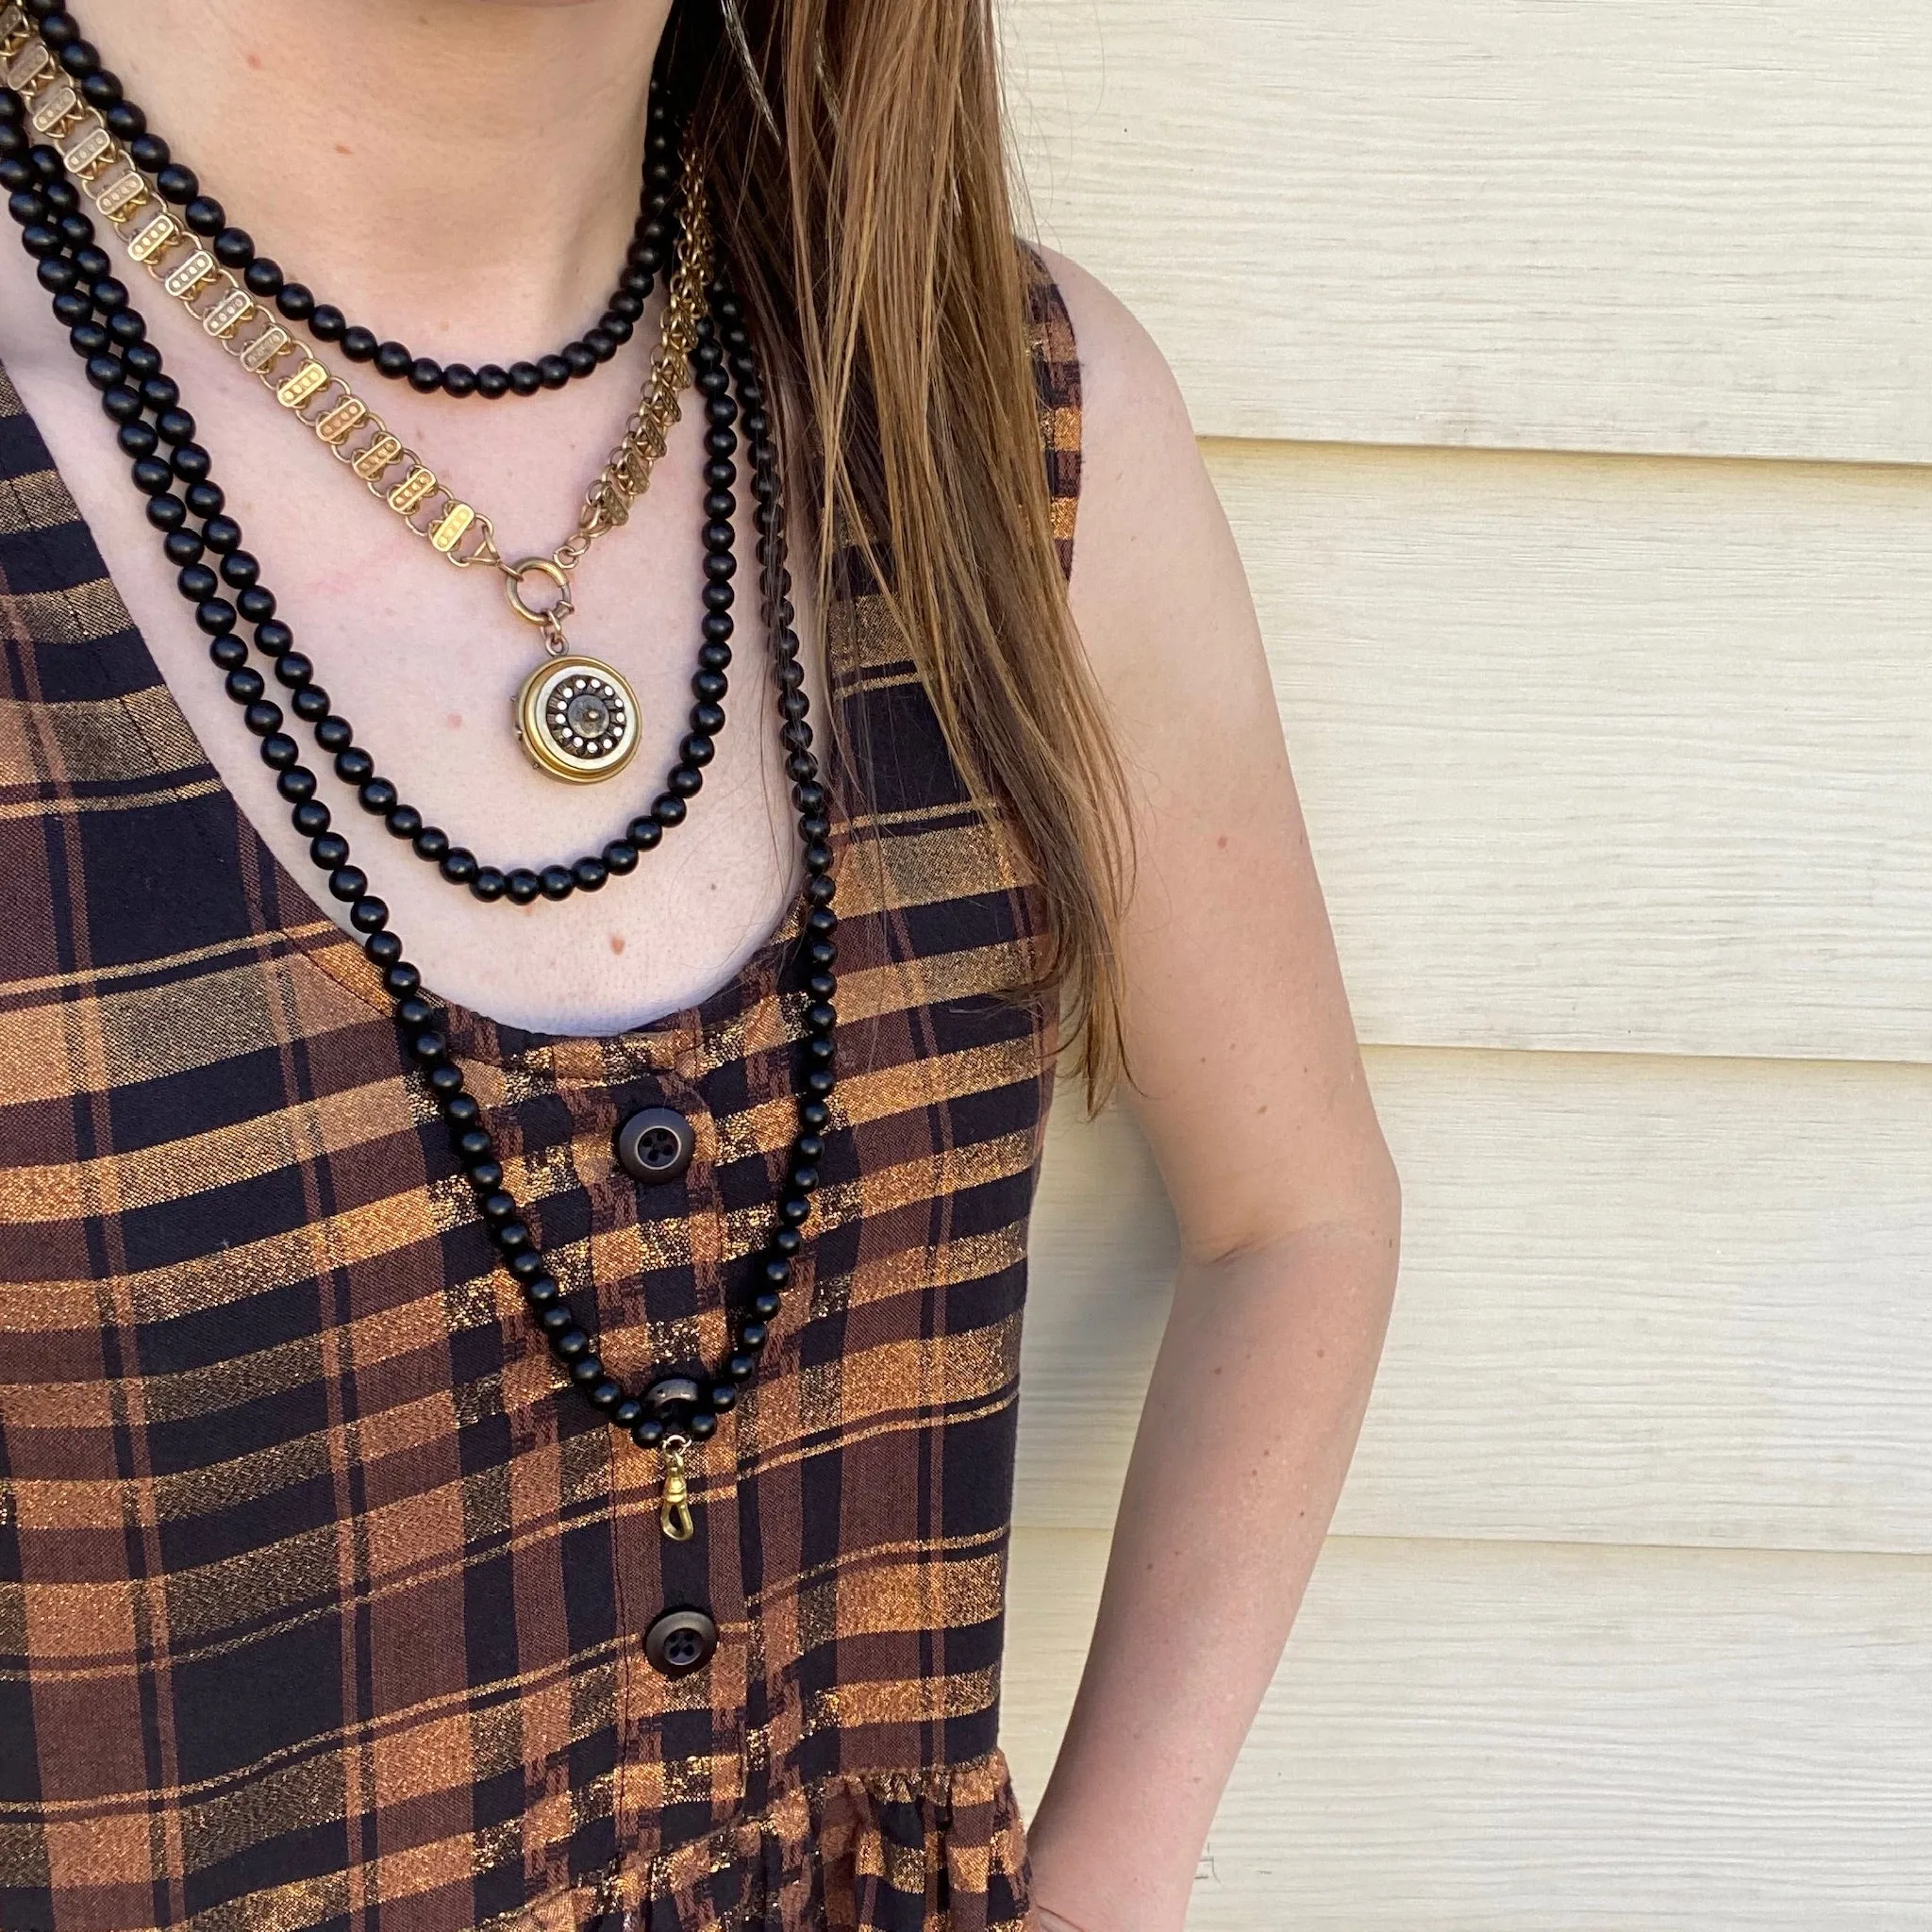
point(460, 173)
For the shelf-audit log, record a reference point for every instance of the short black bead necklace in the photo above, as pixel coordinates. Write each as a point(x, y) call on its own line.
point(194, 528)
point(679, 1406)
point(649, 249)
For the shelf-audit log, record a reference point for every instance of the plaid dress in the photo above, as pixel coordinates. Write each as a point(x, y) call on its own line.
point(321, 1603)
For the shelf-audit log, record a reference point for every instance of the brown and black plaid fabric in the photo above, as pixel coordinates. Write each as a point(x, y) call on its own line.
point(319, 1606)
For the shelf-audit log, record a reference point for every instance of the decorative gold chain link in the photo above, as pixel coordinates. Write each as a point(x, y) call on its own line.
point(310, 390)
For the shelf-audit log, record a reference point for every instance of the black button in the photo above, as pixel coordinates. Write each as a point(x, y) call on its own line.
point(680, 1641)
point(656, 1146)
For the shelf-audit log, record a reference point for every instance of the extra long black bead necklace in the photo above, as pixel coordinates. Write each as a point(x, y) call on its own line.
point(649, 250)
point(679, 1406)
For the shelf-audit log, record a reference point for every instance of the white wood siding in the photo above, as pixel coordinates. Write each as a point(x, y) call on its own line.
point(1617, 754)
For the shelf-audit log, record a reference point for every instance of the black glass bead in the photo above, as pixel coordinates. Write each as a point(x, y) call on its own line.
point(578, 358)
point(686, 781)
point(489, 885)
point(81, 59)
point(279, 750)
point(358, 343)
point(298, 785)
point(125, 121)
point(137, 439)
point(227, 650)
point(310, 816)
point(571, 1342)
point(493, 380)
point(557, 882)
point(234, 248)
point(620, 857)
point(697, 749)
point(525, 885)
point(415, 1012)
point(393, 360)
point(256, 607)
point(553, 371)
point(588, 874)
point(326, 323)
point(204, 498)
point(459, 865)
point(722, 1398)
point(369, 914)
point(524, 378)
point(190, 463)
point(543, 1291)
point(669, 809)
point(648, 1433)
point(59, 29)
point(645, 834)
point(354, 764)
point(175, 183)
point(461, 1109)
point(297, 301)
point(273, 637)
point(196, 582)
point(459, 379)
point(263, 277)
point(204, 215)
point(702, 1425)
point(430, 844)
point(425, 375)
point(447, 1081)
point(403, 821)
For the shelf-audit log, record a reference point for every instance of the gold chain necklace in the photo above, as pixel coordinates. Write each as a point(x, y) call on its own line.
point(575, 716)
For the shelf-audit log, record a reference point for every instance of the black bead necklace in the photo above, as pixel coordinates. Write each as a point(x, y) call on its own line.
point(128, 371)
point(649, 250)
point(681, 1405)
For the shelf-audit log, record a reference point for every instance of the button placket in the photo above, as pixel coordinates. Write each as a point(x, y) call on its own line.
point(681, 1671)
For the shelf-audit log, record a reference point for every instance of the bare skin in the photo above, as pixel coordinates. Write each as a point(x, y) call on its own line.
point(363, 143)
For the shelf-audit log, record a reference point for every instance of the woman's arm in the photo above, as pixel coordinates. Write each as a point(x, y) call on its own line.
point(1250, 1090)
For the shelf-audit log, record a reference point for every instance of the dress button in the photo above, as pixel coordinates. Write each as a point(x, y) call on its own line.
point(680, 1641)
point(656, 1146)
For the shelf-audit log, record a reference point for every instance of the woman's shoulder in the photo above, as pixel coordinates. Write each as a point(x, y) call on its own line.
point(1151, 537)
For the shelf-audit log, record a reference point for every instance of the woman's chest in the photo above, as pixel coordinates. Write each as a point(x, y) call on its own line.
point(426, 663)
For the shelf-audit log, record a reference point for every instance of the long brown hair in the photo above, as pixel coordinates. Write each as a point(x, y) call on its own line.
point(861, 202)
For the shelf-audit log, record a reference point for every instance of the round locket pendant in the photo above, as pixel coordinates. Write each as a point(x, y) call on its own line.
point(577, 720)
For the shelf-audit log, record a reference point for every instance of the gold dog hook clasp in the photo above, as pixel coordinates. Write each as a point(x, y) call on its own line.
point(548, 618)
point(673, 1512)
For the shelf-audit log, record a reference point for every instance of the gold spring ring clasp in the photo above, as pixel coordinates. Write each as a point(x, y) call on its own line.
point(674, 1513)
point(548, 618)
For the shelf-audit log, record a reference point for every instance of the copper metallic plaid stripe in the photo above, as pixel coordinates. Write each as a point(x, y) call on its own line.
point(318, 1607)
